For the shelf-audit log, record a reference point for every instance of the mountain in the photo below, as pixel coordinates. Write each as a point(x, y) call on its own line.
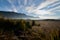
point(14, 15)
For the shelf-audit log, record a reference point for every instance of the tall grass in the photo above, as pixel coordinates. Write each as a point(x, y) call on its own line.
point(29, 31)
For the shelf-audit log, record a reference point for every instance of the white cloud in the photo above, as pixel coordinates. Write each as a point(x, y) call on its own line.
point(53, 9)
point(40, 13)
point(46, 3)
point(33, 10)
point(13, 7)
point(55, 4)
point(17, 8)
point(30, 9)
point(25, 2)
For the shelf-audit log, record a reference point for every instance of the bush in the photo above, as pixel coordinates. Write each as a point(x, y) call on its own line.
point(33, 23)
point(28, 26)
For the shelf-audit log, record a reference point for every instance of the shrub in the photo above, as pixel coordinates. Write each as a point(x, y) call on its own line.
point(28, 26)
point(33, 23)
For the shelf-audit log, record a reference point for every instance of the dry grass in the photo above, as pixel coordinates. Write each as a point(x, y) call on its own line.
point(40, 30)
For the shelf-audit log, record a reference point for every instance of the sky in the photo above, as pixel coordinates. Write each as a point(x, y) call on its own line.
point(44, 9)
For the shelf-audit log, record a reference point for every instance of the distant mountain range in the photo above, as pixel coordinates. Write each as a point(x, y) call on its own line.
point(14, 15)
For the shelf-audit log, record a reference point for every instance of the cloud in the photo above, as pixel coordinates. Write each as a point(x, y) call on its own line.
point(40, 13)
point(25, 2)
point(53, 9)
point(46, 3)
point(51, 6)
point(34, 10)
point(29, 9)
point(19, 7)
point(13, 7)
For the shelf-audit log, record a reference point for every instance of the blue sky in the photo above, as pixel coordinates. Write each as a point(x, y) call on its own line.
point(44, 9)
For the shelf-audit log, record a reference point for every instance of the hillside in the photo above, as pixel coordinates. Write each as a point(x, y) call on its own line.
point(14, 15)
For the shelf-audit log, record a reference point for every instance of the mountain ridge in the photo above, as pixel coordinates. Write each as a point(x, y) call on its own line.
point(14, 15)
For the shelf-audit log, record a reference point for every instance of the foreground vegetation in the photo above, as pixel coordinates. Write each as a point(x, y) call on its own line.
point(29, 30)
